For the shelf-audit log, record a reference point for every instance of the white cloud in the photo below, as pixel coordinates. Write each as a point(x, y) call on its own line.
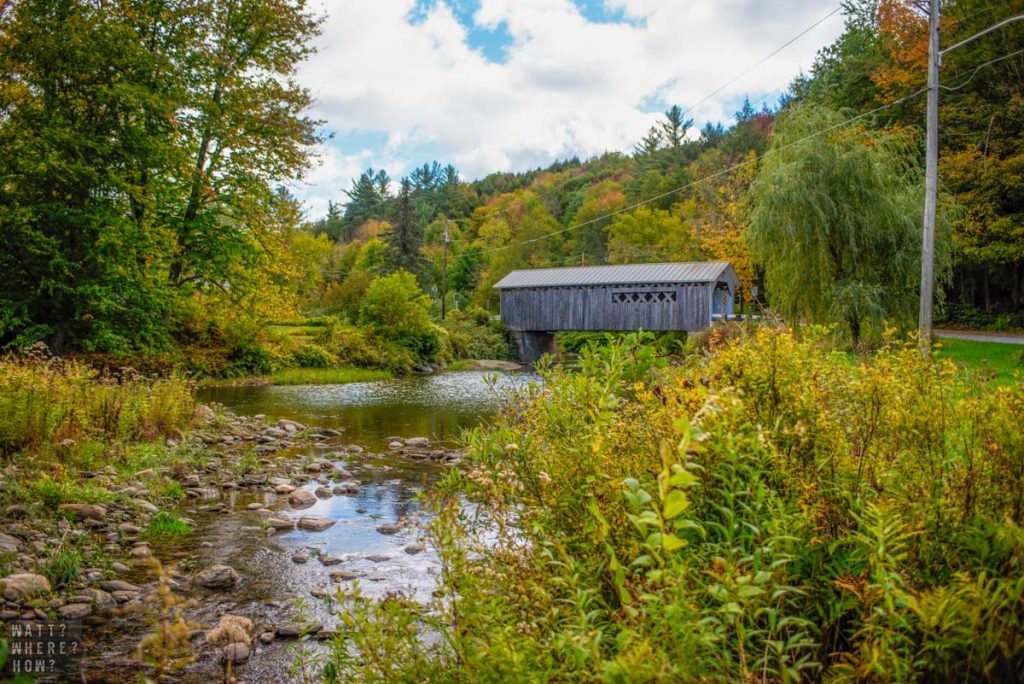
point(567, 86)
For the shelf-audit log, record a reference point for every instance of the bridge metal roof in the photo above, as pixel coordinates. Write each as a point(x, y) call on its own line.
point(624, 274)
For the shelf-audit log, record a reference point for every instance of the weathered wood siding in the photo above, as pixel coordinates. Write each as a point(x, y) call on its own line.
point(608, 307)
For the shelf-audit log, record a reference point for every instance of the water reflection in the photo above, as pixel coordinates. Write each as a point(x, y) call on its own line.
point(436, 406)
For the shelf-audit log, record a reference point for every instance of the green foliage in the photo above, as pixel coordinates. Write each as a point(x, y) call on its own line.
point(312, 356)
point(249, 358)
point(166, 525)
point(63, 566)
point(647, 235)
point(769, 510)
point(473, 335)
point(55, 406)
point(835, 224)
point(144, 143)
point(395, 309)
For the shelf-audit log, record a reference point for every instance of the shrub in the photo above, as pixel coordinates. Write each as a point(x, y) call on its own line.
point(64, 405)
point(396, 309)
point(312, 356)
point(249, 358)
point(772, 510)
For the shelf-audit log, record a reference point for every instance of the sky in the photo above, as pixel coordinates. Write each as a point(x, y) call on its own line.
point(511, 85)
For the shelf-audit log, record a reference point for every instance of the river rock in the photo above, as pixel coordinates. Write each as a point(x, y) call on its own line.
point(84, 511)
point(23, 585)
point(9, 544)
point(328, 561)
point(312, 467)
point(191, 482)
point(284, 488)
point(204, 414)
point(125, 596)
point(296, 630)
point(413, 549)
point(236, 653)
point(281, 523)
point(301, 498)
point(377, 558)
point(395, 446)
point(345, 575)
point(389, 528)
point(16, 511)
point(218, 577)
point(300, 557)
point(323, 493)
point(140, 553)
point(118, 585)
point(315, 524)
point(267, 638)
point(145, 505)
point(102, 601)
point(74, 611)
point(290, 425)
point(417, 442)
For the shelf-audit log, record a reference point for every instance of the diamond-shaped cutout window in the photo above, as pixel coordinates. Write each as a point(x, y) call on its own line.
point(646, 297)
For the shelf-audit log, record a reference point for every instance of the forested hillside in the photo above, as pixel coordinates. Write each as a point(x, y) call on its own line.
point(143, 209)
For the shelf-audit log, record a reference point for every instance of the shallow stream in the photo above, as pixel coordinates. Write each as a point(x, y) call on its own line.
point(439, 407)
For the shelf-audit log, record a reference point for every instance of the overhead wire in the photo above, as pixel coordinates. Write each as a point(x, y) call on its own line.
point(737, 166)
point(552, 190)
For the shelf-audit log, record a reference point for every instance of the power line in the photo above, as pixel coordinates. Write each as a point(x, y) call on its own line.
point(979, 68)
point(762, 61)
point(740, 165)
point(704, 179)
point(559, 186)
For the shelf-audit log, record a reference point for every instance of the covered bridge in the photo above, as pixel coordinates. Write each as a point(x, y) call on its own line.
point(676, 296)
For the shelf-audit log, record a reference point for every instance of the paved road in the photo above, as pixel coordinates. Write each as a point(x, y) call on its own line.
point(977, 336)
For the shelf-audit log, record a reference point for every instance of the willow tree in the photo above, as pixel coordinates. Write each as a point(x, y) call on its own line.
point(835, 222)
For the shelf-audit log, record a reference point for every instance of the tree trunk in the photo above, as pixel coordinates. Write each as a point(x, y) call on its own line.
point(854, 324)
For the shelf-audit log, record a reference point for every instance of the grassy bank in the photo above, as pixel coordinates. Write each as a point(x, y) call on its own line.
point(768, 511)
point(327, 376)
point(62, 418)
point(993, 360)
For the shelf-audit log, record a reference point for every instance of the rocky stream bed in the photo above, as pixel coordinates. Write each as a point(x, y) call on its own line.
point(283, 515)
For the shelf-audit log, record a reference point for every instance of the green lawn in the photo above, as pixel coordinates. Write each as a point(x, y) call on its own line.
point(997, 358)
point(327, 376)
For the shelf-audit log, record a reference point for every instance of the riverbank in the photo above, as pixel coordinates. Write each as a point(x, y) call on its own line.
point(340, 375)
point(112, 541)
point(126, 504)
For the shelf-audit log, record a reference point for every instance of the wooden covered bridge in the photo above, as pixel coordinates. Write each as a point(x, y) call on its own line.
point(537, 303)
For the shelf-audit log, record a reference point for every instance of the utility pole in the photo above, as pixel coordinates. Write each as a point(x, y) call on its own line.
point(931, 183)
point(444, 271)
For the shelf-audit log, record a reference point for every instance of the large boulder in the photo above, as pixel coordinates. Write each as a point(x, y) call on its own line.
point(23, 585)
point(218, 577)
